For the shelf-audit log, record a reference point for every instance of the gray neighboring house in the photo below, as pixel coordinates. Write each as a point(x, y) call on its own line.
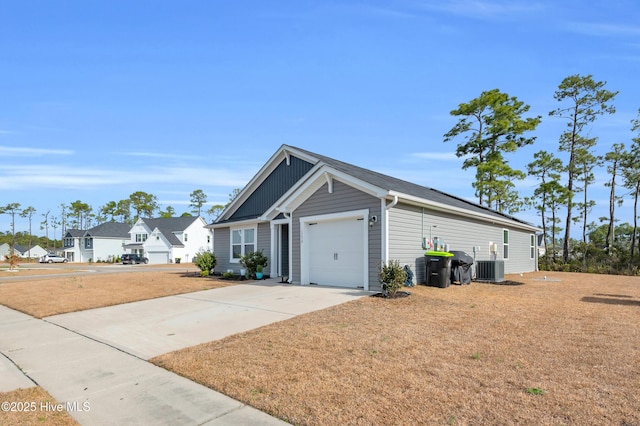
point(324, 221)
point(100, 243)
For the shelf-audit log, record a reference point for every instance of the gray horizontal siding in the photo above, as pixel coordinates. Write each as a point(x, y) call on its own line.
point(222, 246)
point(343, 199)
point(409, 224)
point(264, 241)
point(221, 239)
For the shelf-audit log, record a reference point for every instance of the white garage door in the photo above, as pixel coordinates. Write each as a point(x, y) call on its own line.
point(336, 252)
point(158, 257)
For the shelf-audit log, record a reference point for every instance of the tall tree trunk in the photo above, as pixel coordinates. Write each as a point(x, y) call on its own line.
point(567, 229)
point(635, 221)
point(553, 234)
point(612, 206)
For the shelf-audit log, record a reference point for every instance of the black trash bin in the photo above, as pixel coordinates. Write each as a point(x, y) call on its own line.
point(461, 264)
point(438, 268)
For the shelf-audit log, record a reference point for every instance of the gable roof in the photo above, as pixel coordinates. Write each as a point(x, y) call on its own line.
point(404, 187)
point(105, 230)
point(20, 248)
point(110, 230)
point(384, 185)
point(169, 225)
point(75, 233)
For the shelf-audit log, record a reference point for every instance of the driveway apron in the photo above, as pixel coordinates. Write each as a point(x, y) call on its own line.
point(95, 361)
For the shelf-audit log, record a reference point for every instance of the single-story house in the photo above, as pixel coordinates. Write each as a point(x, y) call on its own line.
point(34, 252)
point(324, 221)
point(23, 251)
point(100, 243)
point(167, 240)
point(5, 249)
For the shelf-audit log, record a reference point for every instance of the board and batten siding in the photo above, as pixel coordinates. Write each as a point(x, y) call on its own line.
point(409, 224)
point(344, 198)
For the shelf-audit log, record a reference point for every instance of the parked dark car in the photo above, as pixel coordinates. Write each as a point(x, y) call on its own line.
point(132, 259)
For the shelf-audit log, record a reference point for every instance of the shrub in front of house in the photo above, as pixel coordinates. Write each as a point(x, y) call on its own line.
point(392, 276)
point(205, 261)
point(252, 260)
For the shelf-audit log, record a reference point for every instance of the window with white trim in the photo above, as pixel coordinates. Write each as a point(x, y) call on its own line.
point(505, 244)
point(141, 238)
point(533, 246)
point(243, 241)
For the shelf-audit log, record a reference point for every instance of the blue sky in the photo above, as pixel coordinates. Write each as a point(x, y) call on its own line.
point(102, 99)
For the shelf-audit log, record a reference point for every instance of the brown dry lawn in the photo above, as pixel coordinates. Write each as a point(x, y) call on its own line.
point(461, 355)
point(50, 296)
point(465, 355)
point(57, 295)
point(19, 415)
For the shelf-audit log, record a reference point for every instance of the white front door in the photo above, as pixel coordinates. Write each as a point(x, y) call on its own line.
point(336, 252)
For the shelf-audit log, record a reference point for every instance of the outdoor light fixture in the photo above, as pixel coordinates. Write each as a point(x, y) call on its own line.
point(373, 219)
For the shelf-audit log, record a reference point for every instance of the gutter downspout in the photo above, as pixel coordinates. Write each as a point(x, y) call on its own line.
point(385, 226)
point(393, 203)
point(290, 271)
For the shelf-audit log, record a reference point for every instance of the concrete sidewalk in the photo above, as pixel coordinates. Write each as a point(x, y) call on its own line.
point(95, 360)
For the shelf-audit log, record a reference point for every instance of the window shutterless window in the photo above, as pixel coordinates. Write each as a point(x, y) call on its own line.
point(243, 241)
point(505, 244)
point(533, 246)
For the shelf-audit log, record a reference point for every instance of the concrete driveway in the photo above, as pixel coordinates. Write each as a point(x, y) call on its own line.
point(154, 327)
point(96, 358)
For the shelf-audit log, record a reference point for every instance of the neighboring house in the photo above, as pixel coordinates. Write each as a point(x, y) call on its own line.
point(23, 251)
point(34, 252)
point(100, 243)
point(323, 221)
point(165, 240)
point(5, 249)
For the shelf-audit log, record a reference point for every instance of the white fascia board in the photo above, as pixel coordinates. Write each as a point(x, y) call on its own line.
point(284, 152)
point(462, 212)
point(236, 224)
point(318, 179)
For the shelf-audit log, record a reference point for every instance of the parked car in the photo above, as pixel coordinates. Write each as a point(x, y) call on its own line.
point(53, 258)
point(132, 259)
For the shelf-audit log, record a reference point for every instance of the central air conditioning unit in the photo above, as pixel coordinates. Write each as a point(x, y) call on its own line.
point(490, 270)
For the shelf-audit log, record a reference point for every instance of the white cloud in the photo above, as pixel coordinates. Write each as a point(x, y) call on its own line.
point(483, 9)
point(15, 177)
point(162, 155)
point(603, 29)
point(441, 156)
point(9, 151)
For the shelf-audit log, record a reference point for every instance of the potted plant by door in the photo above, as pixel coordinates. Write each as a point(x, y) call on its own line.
point(252, 261)
point(259, 274)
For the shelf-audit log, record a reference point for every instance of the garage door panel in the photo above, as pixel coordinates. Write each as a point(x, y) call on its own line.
point(158, 257)
point(336, 252)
